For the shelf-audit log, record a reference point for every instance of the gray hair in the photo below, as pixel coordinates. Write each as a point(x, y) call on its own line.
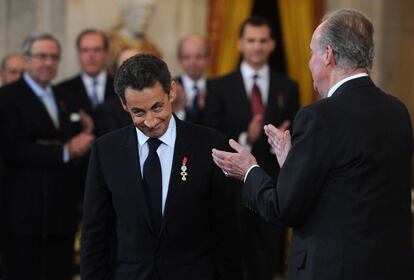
point(350, 34)
point(29, 41)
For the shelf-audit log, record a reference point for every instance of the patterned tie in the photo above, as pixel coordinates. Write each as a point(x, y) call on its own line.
point(153, 182)
point(94, 98)
point(256, 99)
point(48, 100)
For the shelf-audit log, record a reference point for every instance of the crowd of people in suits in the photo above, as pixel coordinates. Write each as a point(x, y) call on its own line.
point(130, 158)
point(48, 131)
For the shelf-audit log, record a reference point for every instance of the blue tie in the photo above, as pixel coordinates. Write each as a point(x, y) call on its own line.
point(50, 104)
point(95, 98)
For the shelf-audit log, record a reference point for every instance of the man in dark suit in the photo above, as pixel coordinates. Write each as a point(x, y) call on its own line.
point(193, 56)
point(41, 139)
point(238, 104)
point(344, 185)
point(93, 86)
point(156, 206)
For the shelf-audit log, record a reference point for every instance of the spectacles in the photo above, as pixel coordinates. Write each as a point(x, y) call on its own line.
point(44, 56)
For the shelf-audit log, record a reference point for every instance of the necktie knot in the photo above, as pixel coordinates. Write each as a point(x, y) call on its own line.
point(255, 77)
point(153, 144)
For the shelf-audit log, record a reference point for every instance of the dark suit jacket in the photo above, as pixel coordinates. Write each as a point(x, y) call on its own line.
point(80, 96)
point(39, 193)
point(199, 236)
point(228, 110)
point(344, 188)
point(111, 116)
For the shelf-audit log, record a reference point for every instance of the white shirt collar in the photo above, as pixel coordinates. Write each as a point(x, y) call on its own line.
point(341, 82)
point(188, 83)
point(100, 78)
point(248, 71)
point(168, 138)
point(36, 88)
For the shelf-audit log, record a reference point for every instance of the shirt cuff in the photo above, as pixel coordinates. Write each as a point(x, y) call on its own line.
point(66, 157)
point(248, 171)
point(243, 141)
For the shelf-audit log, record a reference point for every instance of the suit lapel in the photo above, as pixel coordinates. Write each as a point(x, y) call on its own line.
point(182, 149)
point(83, 96)
point(244, 104)
point(133, 171)
point(33, 102)
point(108, 88)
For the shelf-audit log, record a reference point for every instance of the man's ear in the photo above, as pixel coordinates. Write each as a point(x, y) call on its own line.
point(173, 91)
point(124, 106)
point(329, 56)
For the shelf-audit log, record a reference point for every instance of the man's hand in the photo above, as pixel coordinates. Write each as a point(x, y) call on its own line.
point(202, 93)
point(280, 140)
point(87, 122)
point(234, 164)
point(255, 129)
point(79, 145)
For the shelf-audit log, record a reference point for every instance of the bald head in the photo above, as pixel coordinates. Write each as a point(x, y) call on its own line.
point(12, 67)
point(193, 56)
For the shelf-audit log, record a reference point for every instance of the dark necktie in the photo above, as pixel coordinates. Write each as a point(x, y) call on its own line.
point(192, 113)
point(256, 99)
point(153, 183)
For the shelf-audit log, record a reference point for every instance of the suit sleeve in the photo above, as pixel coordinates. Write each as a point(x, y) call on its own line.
point(20, 148)
point(213, 113)
point(226, 204)
point(300, 180)
point(97, 223)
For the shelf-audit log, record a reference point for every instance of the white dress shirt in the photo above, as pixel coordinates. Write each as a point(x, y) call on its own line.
point(188, 86)
point(165, 152)
point(262, 81)
point(341, 82)
point(100, 87)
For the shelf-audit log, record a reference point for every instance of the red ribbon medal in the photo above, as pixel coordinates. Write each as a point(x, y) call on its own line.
point(184, 173)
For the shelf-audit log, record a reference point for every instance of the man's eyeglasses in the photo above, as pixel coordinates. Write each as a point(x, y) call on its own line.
point(44, 56)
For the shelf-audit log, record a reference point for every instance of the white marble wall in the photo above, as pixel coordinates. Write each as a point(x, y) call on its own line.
point(172, 20)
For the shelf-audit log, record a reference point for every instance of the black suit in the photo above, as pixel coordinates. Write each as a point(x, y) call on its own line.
point(39, 196)
point(199, 235)
point(344, 188)
point(80, 96)
point(111, 116)
point(228, 110)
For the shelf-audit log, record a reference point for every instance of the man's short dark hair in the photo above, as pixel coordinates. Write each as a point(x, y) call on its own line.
point(104, 37)
point(255, 21)
point(142, 71)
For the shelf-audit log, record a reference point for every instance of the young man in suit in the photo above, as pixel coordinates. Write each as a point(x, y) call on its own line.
point(344, 182)
point(156, 206)
point(193, 56)
point(238, 105)
point(93, 86)
point(42, 140)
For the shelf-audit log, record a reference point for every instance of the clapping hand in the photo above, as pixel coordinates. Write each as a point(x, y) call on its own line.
point(280, 140)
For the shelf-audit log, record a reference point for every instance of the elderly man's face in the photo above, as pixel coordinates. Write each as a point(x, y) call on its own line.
point(13, 69)
point(317, 65)
point(193, 57)
point(150, 108)
point(43, 62)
